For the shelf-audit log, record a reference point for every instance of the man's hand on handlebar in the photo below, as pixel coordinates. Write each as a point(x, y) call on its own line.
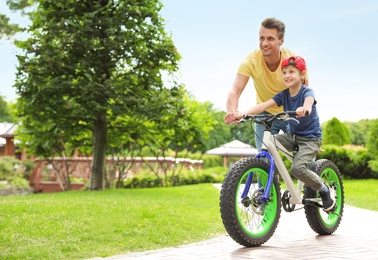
point(231, 117)
point(237, 117)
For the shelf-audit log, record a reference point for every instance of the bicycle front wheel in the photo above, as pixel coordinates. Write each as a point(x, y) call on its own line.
point(246, 221)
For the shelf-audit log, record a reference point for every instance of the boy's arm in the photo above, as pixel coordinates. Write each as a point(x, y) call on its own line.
point(307, 106)
point(258, 108)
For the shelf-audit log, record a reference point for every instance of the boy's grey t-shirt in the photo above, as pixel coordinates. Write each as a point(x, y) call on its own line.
point(309, 126)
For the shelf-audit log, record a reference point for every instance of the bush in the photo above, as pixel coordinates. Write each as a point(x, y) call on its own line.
point(19, 182)
point(186, 177)
point(210, 161)
point(27, 167)
point(6, 168)
point(352, 162)
point(15, 172)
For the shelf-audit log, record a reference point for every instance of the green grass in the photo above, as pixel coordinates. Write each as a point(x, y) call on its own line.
point(83, 225)
point(361, 193)
point(78, 225)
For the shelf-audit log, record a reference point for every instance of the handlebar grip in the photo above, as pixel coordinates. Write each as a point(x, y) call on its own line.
point(293, 113)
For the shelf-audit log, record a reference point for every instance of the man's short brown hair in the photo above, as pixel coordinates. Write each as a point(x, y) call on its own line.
point(273, 23)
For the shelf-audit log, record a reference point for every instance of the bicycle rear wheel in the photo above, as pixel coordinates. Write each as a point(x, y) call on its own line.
point(247, 222)
point(321, 222)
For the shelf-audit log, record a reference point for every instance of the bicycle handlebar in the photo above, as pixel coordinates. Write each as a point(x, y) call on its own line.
point(268, 118)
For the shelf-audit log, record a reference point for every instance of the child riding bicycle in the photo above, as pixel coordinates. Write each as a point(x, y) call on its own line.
point(306, 137)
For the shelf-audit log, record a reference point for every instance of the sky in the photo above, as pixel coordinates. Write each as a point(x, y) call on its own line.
point(338, 39)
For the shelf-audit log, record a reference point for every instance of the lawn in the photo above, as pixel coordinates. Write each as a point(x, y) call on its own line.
point(361, 193)
point(82, 225)
point(77, 225)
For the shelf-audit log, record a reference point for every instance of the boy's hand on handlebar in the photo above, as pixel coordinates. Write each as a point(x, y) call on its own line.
point(231, 117)
point(301, 111)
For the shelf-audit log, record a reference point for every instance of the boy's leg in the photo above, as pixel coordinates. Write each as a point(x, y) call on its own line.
point(308, 149)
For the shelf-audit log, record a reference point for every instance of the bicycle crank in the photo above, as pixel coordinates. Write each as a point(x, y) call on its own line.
point(286, 202)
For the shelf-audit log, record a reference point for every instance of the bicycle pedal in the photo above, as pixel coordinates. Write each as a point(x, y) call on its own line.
point(312, 203)
point(332, 211)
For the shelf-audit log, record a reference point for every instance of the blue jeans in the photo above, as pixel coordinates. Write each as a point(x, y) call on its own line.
point(276, 127)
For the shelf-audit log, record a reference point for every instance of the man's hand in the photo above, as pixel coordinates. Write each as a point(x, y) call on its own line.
point(232, 117)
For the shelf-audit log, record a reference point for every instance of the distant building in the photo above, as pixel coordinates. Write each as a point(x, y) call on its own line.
point(7, 142)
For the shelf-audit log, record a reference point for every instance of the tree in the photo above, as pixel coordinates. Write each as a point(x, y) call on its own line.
point(85, 60)
point(372, 138)
point(335, 133)
point(183, 127)
point(5, 114)
point(244, 133)
point(221, 133)
point(358, 130)
point(146, 127)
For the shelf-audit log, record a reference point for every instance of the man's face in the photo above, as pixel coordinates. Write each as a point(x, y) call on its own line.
point(269, 41)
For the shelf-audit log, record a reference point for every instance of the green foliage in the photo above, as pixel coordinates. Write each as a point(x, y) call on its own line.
point(352, 162)
point(6, 168)
point(216, 174)
point(7, 30)
point(210, 161)
point(13, 171)
point(373, 164)
point(18, 182)
point(87, 64)
point(372, 140)
point(335, 133)
point(358, 130)
point(243, 132)
point(142, 180)
point(145, 179)
point(220, 134)
point(28, 167)
point(5, 111)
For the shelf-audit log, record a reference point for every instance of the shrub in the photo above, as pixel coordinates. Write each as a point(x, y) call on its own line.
point(186, 177)
point(19, 182)
point(15, 172)
point(352, 162)
point(6, 168)
point(210, 161)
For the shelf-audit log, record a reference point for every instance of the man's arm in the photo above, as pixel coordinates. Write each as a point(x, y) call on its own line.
point(233, 97)
point(237, 89)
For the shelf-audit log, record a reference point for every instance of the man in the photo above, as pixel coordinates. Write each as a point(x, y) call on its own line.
point(263, 66)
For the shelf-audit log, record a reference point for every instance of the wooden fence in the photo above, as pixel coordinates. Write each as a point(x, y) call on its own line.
point(44, 177)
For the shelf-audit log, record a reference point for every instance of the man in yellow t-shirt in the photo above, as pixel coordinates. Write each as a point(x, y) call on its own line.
point(263, 66)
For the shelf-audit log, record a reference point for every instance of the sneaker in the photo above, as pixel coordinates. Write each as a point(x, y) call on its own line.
point(328, 199)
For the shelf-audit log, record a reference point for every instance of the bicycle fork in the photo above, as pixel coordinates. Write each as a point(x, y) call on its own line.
point(265, 196)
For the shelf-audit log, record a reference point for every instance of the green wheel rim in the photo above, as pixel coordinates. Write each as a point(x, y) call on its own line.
point(252, 223)
point(331, 178)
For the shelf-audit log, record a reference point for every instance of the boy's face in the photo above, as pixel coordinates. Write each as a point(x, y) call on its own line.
point(292, 76)
point(269, 41)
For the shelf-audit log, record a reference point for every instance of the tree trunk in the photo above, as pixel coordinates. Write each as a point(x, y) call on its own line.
point(99, 152)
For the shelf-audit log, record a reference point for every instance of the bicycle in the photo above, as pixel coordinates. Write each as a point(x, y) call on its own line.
point(250, 197)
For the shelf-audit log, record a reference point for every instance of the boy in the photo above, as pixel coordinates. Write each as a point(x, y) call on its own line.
point(307, 134)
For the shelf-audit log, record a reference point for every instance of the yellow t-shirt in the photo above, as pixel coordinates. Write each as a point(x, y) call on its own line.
point(267, 83)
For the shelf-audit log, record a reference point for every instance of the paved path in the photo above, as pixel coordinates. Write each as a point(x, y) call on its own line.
point(356, 238)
